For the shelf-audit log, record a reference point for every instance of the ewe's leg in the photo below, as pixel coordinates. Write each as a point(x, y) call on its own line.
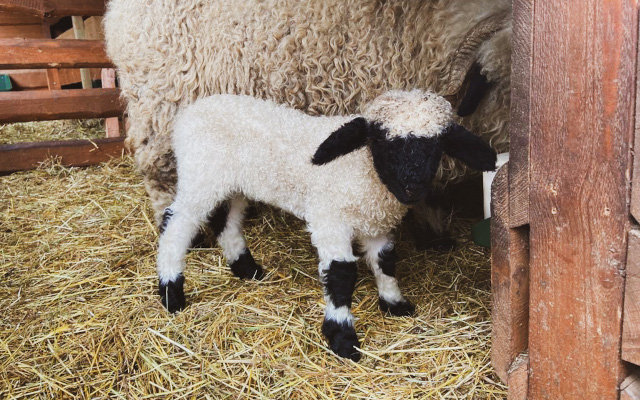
point(233, 244)
point(338, 274)
point(179, 226)
point(381, 258)
point(428, 228)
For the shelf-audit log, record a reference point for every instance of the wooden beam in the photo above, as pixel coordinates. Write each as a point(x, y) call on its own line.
point(630, 387)
point(111, 125)
point(76, 153)
point(20, 31)
point(519, 126)
point(631, 317)
point(13, 18)
point(78, 30)
point(54, 8)
point(43, 105)
point(518, 381)
point(635, 184)
point(509, 280)
point(51, 53)
point(582, 111)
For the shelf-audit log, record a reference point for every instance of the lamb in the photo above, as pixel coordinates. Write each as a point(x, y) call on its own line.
point(324, 57)
point(351, 178)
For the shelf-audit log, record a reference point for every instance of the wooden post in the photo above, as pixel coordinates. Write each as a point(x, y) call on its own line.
point(111, 125)
point(509, 280)
point(78, 32)
point(53, 74)
point(583, 66)
point(631, 321)
point(520, 127)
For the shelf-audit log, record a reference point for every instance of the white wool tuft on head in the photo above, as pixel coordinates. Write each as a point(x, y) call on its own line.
point(417, 112)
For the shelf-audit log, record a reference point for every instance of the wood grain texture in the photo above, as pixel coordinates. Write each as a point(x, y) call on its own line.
point(14, 18)
point(584, 64)
point(631, 317)
point(45, 105)
point(53, 79)
point(635, 183)
point(519, 125)
point(75, 153)
point(30, 79)
point(54, 8)
point(111, 125)
point(630, 387)
point(518, 381)
point(92, 30)
point(509, 280)
point(20, 31)
point(52, 53)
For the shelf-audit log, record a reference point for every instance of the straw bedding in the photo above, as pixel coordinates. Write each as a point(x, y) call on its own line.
point(81, 319)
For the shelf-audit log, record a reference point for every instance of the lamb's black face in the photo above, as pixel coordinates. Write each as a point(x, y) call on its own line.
point(406, 165)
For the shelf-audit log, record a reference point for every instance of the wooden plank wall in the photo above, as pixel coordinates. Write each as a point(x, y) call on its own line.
point(582, 108)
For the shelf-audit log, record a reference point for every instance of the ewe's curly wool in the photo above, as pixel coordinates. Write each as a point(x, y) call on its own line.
point(324, 57)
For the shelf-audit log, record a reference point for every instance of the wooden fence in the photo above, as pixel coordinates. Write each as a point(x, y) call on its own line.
point(55, 55)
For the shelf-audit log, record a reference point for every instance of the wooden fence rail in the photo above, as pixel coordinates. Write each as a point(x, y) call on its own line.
point(46, 105)
point(52, 53)
point(54, 8)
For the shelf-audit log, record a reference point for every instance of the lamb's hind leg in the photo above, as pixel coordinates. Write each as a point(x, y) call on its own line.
point(381, 258)
point(234, 245)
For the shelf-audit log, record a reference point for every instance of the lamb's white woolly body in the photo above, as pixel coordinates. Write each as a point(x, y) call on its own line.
point(271, 160)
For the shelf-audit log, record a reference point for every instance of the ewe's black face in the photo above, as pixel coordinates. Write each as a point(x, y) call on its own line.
point(406, 165)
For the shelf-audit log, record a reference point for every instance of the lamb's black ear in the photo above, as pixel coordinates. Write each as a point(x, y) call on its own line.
point(470, 149)
point(349, 137)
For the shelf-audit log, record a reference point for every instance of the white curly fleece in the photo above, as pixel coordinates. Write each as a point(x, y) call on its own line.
point(226, 144)
point(418, 112)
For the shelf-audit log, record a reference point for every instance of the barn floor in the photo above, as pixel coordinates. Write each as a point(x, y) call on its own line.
point(80, 317)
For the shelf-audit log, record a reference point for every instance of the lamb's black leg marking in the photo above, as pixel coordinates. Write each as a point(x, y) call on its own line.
point(172, 294)
point(168, 213)
point(403, 308)
point(245, 267)
point(476, 90)
point(215, 224)
point(339, 284)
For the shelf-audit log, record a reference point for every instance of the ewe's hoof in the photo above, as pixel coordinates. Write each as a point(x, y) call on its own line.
point(401, 309)
point(443, 244)
point(245, 267)
point(342, 339)
point(172, 295)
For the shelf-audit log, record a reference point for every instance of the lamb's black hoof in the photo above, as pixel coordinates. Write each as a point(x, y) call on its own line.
point(342, 339)
point(245, 267)
point(401, 309)
point(172, 295)
point(443, 244)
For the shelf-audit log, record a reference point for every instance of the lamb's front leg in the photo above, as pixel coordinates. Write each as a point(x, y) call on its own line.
point(338, 274)
point(381, 258)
